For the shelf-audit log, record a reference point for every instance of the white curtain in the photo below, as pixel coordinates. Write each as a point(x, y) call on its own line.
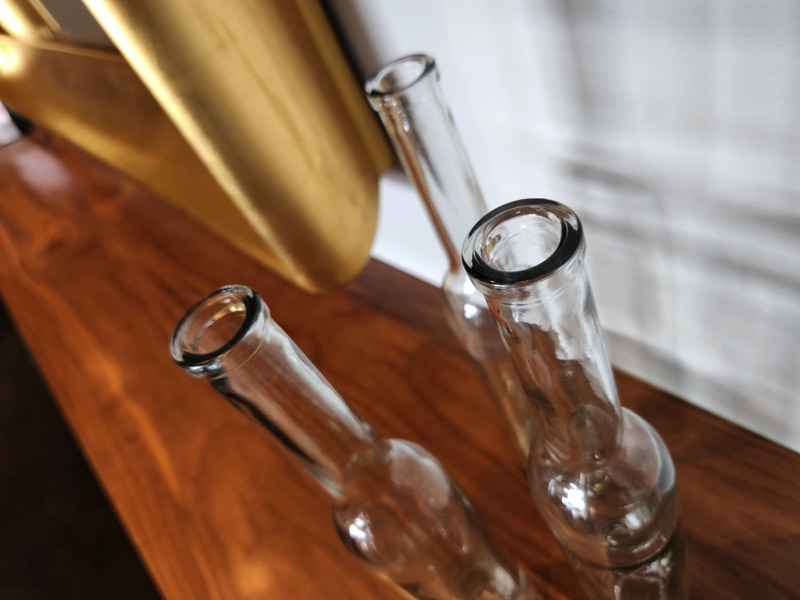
point(673, 128)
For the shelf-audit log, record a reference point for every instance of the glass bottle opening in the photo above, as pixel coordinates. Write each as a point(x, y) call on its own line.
point(522, 241)
point(212, 327)
point(398, 76)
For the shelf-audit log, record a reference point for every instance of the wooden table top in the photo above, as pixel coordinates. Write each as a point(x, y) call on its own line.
point(96, 272)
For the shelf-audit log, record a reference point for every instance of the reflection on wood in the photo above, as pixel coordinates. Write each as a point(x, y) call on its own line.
point(51, 500)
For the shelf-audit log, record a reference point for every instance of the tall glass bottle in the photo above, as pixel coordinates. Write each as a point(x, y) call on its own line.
point(600, 475)
point(407, 96)
point(394, 505)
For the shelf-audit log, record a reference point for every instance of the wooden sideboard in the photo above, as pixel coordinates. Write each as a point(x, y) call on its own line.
point(96, 272)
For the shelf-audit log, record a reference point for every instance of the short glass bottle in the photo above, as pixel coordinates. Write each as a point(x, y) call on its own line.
point(408, 98)
point(600, 475)
point(395, 507)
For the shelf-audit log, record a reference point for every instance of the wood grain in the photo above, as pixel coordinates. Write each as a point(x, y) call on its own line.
point(96, 273)
point(59, 537)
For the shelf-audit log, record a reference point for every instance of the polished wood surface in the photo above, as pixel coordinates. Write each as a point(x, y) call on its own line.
point(59, 537)
point(96, 273)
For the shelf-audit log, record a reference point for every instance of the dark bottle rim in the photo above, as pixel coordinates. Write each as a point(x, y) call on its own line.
point(553, 214)
point(203, 363)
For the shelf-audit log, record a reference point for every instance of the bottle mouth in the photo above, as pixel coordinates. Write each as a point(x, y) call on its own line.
point(213, 327)
point(522, 242)
point(399, 76)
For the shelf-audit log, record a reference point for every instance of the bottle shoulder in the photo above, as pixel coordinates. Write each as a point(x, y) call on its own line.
point(617, 510)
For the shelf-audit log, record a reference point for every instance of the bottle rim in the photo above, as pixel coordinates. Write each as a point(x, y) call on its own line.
point(399, 76)
point(550, 213)
point(203, 363)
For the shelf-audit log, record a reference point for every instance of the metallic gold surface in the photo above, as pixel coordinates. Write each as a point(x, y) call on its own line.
point(94, 99)
point(26, 19)
point(263, 94)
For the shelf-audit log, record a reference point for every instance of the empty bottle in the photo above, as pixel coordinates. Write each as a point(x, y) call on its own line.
point(407, 96)
point(600, 475)
point(394, 506)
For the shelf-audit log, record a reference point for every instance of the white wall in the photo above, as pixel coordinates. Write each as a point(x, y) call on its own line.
point(673, 128)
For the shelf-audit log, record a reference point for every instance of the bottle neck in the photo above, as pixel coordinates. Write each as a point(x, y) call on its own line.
point(529, 265)
point(557, 349)
point(408, 98)
point(230, 339)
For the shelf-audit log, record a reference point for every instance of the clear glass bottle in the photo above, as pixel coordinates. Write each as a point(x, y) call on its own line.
point(601, 476)
point(407, 96)
point(394, 505)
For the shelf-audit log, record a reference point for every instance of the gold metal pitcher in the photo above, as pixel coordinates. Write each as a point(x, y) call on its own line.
point(263, 96)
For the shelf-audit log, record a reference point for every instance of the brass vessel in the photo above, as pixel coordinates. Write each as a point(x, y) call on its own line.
point(244, 114)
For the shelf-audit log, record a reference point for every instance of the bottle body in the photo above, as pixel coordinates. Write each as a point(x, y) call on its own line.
point(403, 515)
point(394, 505)
point(615, 512)
point(601, 476)
point(469, 318)
point(658, 578)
